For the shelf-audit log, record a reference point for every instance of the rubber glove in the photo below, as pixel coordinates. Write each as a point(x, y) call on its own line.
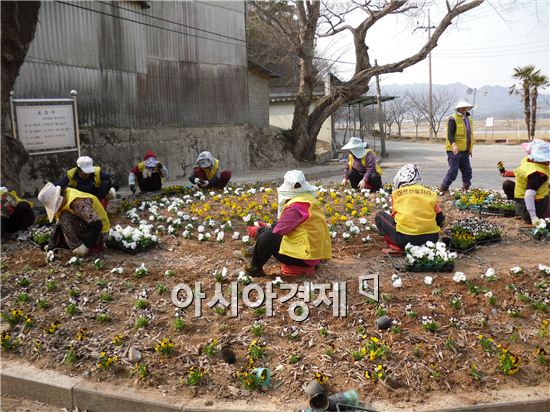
point(82, 250)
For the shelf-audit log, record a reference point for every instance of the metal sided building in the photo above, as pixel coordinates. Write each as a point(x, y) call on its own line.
point(170, 76)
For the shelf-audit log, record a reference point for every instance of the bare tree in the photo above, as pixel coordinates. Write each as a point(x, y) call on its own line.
point(396, 111)
point(332, 19)
point(442, 103)
point(414, 113)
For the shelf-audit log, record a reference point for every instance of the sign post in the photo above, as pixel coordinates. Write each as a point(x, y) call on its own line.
point(46, 126)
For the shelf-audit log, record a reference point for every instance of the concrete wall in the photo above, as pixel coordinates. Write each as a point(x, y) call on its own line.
point(116, 151)
point(282, 113)
point(258, 100)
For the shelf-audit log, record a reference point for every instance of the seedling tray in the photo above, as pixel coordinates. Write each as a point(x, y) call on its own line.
point(135, 251)
point(489, 211)
point(399, 263)
point(447, 241)
point(489, 241)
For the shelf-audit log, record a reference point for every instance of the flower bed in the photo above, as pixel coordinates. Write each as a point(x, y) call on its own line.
point(131, 239)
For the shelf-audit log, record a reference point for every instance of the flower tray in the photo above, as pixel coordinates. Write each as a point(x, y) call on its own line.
point(537, 236)
point(493, 211)
point(447, 241)
point(399, 263)
point(116, 245)
point(488, 241)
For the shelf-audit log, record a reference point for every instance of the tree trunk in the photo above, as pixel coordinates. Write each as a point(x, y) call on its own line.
point(527, 109)
point(399, 129)
point(534, 97)
point(19, 19)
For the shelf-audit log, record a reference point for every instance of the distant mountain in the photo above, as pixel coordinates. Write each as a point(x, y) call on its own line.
point(491, 101)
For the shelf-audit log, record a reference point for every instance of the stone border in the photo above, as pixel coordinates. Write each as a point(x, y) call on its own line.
point(54, 388)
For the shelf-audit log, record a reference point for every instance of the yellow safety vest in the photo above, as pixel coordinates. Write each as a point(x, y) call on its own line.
point(364, 162)
point(522, 173)
point(309, 240)
point(141, 166)
point(72, 194)
point(97, 176)
point(461, 134)
point(415, 207)
point(18, 199)
point(210, 172)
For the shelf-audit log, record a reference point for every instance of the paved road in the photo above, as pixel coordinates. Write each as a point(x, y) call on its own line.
point(432, 162)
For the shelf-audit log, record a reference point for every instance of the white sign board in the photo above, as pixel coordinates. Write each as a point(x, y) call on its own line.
point(489, 122)
point(46, 127)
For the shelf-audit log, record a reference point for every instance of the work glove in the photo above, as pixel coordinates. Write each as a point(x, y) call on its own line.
point(133, 189)
point(82, 250)
point(197, 181)
point(344, 181)
point(111, 194)
point(362, 184)
point(204, 183)
point(535, 221)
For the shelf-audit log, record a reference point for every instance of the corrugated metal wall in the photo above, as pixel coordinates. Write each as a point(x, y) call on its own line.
point(177, 64)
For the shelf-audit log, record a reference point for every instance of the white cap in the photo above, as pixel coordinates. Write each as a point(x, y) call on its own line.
point(86, 164)
point(463, 103)
point(295, 181)
point(50, 196)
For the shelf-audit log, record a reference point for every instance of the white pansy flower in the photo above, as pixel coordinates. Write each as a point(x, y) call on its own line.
point(459, 277)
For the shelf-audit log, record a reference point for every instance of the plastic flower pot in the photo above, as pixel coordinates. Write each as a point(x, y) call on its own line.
point(343, 401)
point(317, 395)
point(263, 375)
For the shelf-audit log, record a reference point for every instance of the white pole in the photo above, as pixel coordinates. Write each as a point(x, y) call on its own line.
point(74, 93)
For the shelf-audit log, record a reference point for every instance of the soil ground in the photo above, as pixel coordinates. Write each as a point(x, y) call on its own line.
point(418, 365)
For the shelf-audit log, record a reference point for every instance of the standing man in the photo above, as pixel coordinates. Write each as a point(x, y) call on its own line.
point(460, 141)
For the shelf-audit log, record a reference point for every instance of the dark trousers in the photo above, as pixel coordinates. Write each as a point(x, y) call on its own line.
point(267, 245)
point(460, 161)
point(541, 206)
point(375, 180)
point(215, 182)
point(150, 184)
point(21, 219)
point(385, 223)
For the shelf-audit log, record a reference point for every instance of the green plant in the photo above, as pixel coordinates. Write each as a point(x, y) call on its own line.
point(103, 317)
point(23, 297)
point(179, 324)
point(450, 343)
point(249, 380)
point(211, 348)
point(523, 297)
point(329, 352)
point(141, 304)
point(51, 286)
point(396, 329)
point(106, 361)
point(514, 312)
point(539, 305)
point(417, 352)
point(105, 297)
point(475, 373)
point(257, 329)
point(488, 344)
point(323, 332)
point(360, 330)
point(255, 350)
point(294, 359)
point(543, 331)
point(141, 370)
point(71, 309)
point(141, 322)
point(386, 297)
point(98, 264)
point(411, 314)
point(42, 304)
point(13, 317)
point(70, 355)
point(102, 283)
point(117, 340)
point(73, 293)
point(195, 376)
point(165, 347)
point(380, 311)
point(161, 288)
point(508, 363)
point(358, 355)
point(220, 310)
point(429, 325)
point(8, 342)
point(437, 292)
point(24, 282)
point(259, 311)
point(455, 302)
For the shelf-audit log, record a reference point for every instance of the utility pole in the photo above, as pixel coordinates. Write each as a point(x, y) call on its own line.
point(430, 99)
point(379, 113)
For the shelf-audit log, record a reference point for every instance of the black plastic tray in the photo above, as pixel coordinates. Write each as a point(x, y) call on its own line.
point(489, 241)
point(484, 210)
point(398, 262)
point(135, 251)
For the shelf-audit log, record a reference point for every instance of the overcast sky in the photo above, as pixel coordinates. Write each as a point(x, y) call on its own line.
point(481, 49)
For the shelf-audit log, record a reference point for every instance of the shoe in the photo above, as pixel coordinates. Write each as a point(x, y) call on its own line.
point(465, 188)
point(253, 271)
point(443, 190)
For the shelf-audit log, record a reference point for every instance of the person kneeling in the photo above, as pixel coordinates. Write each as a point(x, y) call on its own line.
point(206, 173)
point(362, 170)
point(149, 174)
point(300, 238)
point(530, 190)
point(417, 216)
point(81, 219)
point(17, 214)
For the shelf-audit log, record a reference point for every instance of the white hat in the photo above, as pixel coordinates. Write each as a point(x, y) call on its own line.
point(86, 164)
point(294, 183)
point(356, 146)
point(50, 196)
point(463, 103)
point(538, 150)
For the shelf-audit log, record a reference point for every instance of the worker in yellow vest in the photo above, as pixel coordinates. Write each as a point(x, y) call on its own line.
point(88, 178)
point(417, 216)
point(362, 169)
point(459, 146)
point(300, 238)
point(206, 172)
point(149, 174)
point(530, 190)
point(17, 214)
point(81, 220)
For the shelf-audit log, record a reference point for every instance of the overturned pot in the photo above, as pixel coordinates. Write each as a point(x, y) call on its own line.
point(343, 401)
point(317, 395)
